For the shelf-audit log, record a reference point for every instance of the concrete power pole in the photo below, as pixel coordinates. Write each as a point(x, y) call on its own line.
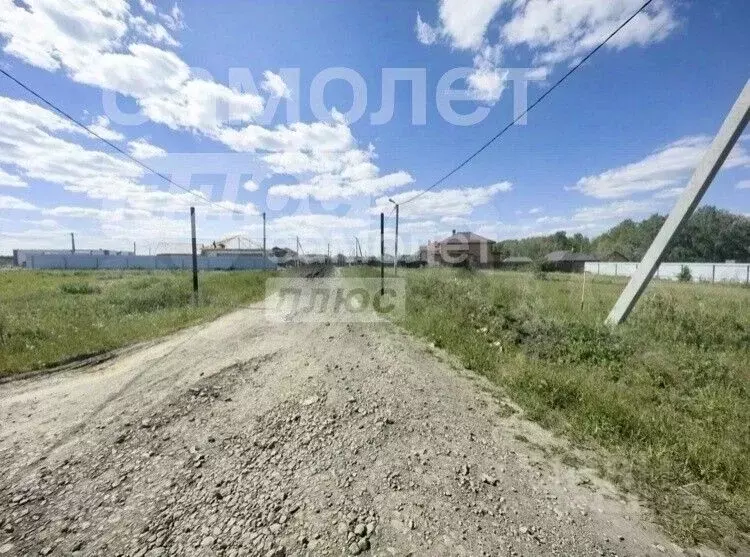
point(194, 243)
point(704, 174)
point(72, 242)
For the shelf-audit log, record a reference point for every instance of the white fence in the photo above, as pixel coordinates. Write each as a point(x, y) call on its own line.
point(156, 262)
point(701, 272)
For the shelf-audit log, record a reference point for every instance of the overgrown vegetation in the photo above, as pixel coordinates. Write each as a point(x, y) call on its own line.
point(51, 317)
point(710, 234)
point(684, 275)
point(664, 400)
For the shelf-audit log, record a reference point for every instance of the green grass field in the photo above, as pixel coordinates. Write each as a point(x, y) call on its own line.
point(51, 317)
point(663, 400)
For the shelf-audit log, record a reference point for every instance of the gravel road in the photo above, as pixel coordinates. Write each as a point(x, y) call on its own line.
point(251, 437)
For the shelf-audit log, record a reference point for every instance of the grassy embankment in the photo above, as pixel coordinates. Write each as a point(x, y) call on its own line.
point(50, 317)
point(663, 400)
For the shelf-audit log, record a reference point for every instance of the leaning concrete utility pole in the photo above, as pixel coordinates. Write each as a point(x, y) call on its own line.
point(194, 242)
point(704, 174)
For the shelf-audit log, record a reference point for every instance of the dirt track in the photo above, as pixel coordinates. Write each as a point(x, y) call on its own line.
point(247, 437)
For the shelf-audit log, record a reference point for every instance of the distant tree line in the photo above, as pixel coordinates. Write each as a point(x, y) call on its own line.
point(711, 234)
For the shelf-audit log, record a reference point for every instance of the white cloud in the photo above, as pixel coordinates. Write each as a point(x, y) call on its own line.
point(74, 34)
point(142, 149)
point(147, 6)
point(668, 167)
point(10, 180)
point(560, 30)
point(274, 85)
point(487, 81)
point(327, 186)
point(315, 223)
point(90, 41)
point(154, 32)
point(553, 31)
point(668, 193)
point(459, 202)
point(250, 185)
point(8, 202)
point(29, 143)
point(426, 34)
point(615, 210)
point(465, 22)
point(101, 127)
point(743, 185)
point(174, 19)
point(43, 223)
point(105, 45)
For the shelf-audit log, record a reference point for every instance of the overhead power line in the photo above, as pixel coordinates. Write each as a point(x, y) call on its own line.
point(530, 107)
point(113, 146)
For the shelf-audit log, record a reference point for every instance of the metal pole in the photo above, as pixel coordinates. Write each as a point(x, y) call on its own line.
point(704, 174)
point(395, 256)
point(382, 254)
point(264, 235)
point(195, 255)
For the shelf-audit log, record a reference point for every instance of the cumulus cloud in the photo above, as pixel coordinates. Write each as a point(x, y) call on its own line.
point(553, 31)
point(30, 142)
point(147, 6)
point(560, 30)
point(465, 22)
point(487, 82)
point(274, 85)
point(106, 45)
point(743, 185)
point(95, 51)
point(426, 34)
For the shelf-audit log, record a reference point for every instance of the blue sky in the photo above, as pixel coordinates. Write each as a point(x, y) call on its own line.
point(186, 88)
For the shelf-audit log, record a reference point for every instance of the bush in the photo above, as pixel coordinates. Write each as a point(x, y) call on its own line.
point(540, 270)
point(79, 288)
point(685, 275)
